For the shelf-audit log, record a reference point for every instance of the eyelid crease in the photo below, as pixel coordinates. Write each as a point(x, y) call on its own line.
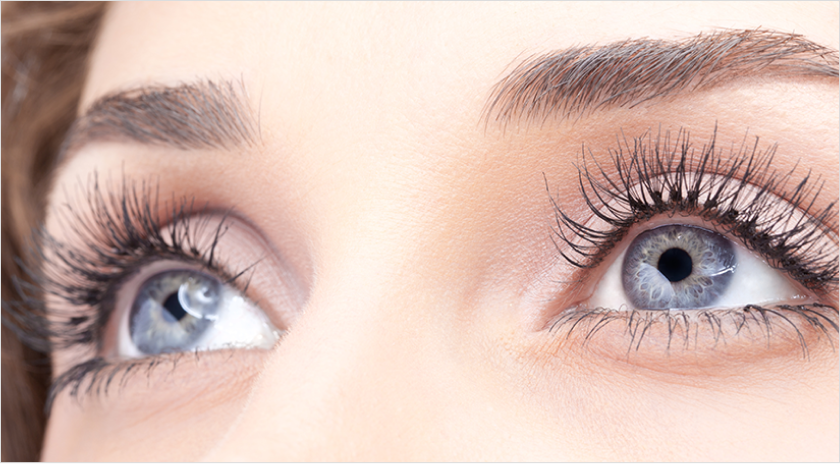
point(116, 230)
point(110, 233)
point(741, 194)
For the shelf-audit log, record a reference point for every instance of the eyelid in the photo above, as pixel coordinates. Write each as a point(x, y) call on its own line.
point(742, 194)
point(691, 342)
point(253, 265)
point(105, 235)
point(653, 181)
point(228, 248)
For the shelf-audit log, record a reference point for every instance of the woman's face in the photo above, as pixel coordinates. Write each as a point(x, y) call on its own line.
point(412, 243)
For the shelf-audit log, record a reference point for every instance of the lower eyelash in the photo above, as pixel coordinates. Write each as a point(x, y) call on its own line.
point(125, 228)
point(683, 327)
point(740, 193)
point(97, 376)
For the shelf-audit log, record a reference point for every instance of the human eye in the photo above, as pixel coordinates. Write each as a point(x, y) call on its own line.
point(692, 249)
point(686, 267)
point(133, 282)
point(181, 309)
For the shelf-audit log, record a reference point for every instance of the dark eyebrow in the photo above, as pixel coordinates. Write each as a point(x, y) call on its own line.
point(578, 80)
point(197, 115)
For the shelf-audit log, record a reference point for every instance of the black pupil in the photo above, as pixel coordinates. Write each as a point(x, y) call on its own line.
point(173, 305)
point(675, 264)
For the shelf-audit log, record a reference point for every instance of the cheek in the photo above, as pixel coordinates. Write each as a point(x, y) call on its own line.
point(622, 411)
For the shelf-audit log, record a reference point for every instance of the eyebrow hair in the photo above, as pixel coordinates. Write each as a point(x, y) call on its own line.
point(197, 115)
point(579, 80)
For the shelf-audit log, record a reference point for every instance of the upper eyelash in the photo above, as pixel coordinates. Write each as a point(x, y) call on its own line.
point(655, 176)
point(123, 230)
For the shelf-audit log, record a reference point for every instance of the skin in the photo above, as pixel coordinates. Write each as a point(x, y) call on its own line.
point(419, 241)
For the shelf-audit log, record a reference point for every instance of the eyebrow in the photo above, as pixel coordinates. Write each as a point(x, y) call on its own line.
point(577, 81)
point(201, 115)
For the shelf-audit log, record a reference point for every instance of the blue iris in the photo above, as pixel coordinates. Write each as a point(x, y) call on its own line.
point(173, 310)
point(678, 267)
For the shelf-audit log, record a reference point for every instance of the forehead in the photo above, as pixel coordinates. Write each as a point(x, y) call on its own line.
point(392, 90)
point(413, 57)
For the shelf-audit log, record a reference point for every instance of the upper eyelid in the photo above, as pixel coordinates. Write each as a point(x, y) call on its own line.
point(114, 221)
point(815, 268)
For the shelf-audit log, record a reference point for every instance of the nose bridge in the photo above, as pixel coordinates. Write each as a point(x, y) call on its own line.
point(345, 381)
point(373, 369)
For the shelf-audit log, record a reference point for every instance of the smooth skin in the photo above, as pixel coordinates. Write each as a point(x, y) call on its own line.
point(420, 242)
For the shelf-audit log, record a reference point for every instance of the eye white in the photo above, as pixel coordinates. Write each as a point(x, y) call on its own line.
point(753, 282)
point(236, 323)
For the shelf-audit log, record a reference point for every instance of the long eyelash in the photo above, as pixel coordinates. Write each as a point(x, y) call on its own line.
point(118, 230)
point(740, 192)
point(684, 328)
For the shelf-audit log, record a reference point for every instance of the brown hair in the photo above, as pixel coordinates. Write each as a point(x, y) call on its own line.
point(45, 51)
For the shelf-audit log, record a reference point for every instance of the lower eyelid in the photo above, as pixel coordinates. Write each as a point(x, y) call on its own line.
point(699, 343)
point(688, 342)
point(115, 237)
point(231, 371)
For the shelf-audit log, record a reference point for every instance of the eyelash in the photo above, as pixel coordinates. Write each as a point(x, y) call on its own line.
point(665, 175)
point(740, 194)
point(123, 231)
